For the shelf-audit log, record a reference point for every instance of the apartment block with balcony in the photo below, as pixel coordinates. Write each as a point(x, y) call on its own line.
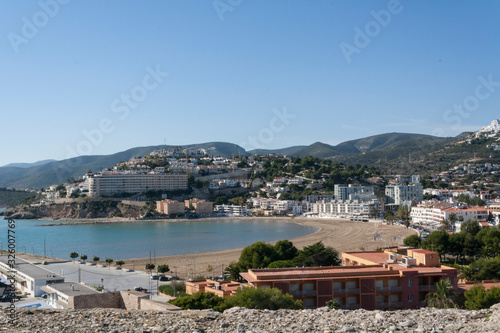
point(168, 207)
point(110, 183)
point(200, 206)
point(367, 280)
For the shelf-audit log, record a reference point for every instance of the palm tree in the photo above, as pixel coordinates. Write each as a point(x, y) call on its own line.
point(467, 273)
point(444, 296)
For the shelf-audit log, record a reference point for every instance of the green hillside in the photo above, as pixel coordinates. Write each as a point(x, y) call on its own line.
point(57, 172)
point(11, 198)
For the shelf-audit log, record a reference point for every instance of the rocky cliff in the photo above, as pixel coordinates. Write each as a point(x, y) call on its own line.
point(322, 320)
point(74, 210)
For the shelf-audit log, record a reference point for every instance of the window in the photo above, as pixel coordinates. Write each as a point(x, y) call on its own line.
point(337, 285)
point(294, 287)
point(264, 287)
point(393, 283)
point(410, 282)
point(410, 298)
point(350, 284)
point(351, 300)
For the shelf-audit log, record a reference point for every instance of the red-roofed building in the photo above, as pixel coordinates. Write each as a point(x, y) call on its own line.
point(368, 280)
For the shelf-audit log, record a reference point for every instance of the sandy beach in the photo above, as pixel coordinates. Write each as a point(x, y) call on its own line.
point(341, 234)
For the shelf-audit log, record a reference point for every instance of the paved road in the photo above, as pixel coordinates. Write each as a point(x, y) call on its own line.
point(112, 278)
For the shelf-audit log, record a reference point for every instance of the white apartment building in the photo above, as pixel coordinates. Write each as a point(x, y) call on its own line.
point(432, 214)
point(354, 192)
point(28, 278)
point(109, 183)
point(342, 208)
point(231, 210)
point(400, 194)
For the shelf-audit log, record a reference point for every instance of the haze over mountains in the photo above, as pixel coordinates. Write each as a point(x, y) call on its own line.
point(390, 149)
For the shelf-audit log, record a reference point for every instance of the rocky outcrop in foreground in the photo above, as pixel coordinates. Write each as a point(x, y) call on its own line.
point(81, 210)
point(243, 320)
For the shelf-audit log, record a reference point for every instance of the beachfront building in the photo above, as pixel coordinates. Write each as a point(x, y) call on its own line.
point(368, 280)
point(168, 207)
point(70, 295)
point(28, 278)
point(110, 183)
point(354, 192)
point(200, 206)
point(399, 194)
point(231, 210)
point(342, 208)
point(431, 214)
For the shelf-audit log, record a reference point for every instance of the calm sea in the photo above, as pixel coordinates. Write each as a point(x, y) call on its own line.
point(136, 240)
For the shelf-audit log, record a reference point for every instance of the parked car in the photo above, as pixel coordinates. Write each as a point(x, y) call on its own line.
point(140, 289)
point(155, 277)
point(164, 278)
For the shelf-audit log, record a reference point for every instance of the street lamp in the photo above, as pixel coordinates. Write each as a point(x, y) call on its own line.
point(33, 249)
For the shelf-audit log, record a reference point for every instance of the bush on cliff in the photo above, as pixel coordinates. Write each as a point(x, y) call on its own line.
point(250, 298)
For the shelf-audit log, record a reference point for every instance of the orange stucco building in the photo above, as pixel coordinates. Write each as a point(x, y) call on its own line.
point(396, 279)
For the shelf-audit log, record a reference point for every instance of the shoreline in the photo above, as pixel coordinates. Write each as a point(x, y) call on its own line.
point(341, 234)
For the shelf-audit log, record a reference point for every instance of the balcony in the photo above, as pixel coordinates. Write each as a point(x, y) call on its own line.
point(389, 289)
point(389, 305)
point(427, 287)
point(299, 293)
point(346, 291)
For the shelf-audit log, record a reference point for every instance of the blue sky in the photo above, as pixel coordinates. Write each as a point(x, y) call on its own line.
point(329, 69)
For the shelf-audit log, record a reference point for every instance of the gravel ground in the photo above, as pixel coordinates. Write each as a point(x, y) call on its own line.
point(243, 320)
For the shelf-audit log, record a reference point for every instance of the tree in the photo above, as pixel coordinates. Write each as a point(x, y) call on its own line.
point(333, 304)
point(83, 257)
point(443, 297)
point(73, 255)
point(478, 298)
point(487, 269)
point(119, 263)
point(150, 267)
point(108, 261)
point(255, 298)
point(200, 300)
point(257, 255)
point(285, 250)
point(438, 242)
point(413, 241)
point(95, 260)
point(389, 217)
point(282, 264)
point(209, 269)
point(466, 273)
point(317, 255)
point(233, 271)
point(163, 269)
point(471, 227)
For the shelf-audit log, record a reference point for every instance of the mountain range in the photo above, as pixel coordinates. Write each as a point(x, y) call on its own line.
point(395, 152)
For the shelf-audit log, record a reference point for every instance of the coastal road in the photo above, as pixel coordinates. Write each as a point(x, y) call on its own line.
point(112, 278)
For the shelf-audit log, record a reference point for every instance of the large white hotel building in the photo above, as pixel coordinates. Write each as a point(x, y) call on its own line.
point(110, 183)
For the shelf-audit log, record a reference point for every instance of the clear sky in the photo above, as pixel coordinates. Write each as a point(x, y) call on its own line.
point(98, 77)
